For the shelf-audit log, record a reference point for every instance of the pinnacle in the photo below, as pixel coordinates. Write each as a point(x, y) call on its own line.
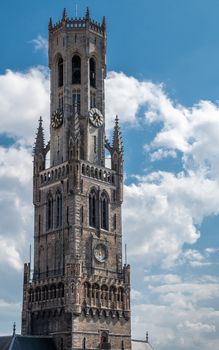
point(117, 136)
point(64, 15)
point(104, 23)
point(39, 144)
point(50, 23)
point(87, 15)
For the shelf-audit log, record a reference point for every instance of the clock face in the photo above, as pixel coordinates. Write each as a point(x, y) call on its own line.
point(96, 117)
point(57, 119)
point(100, 252)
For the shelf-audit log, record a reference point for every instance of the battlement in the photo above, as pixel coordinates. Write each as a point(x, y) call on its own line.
point(79, 23)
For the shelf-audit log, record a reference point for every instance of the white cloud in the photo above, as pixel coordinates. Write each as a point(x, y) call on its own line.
point(161, 210)
point(8, 312)
point(174, 313)
point(160, 213)
point(197, 327)
point(15, 205)
point(40, 43)
point(23, 98)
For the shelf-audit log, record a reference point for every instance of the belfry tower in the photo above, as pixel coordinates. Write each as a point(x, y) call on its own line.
point(79, 291)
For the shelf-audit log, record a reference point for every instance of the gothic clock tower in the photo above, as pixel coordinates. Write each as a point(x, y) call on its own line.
point(79, 291)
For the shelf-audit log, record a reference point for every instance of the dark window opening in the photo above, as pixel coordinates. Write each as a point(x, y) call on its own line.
point(82, 215)
point(49, 212)
point(93, 209)
point(76, 70)
point(39, 224)
point(95, 144)
point(84, 343)
point(92, 73)
point(58, 209)
point(114, 221)
point(60, 72)
point(104, 212)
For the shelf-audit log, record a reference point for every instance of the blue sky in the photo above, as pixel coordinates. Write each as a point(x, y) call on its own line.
point(162, 60)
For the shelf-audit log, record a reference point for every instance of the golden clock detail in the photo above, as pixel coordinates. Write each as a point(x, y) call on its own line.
point(96, 117)
point(57, 119)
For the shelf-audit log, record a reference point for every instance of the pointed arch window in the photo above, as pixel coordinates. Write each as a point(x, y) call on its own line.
point(104, 211)
point(93, 209)
point(60, 72)
point(58, 209)
point(49, 211)
point(92, 73)
point(76, 69)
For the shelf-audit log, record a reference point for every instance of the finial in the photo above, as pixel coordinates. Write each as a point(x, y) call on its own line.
point(147, 337)
point(14, 328)
point(104, 23)
point(87, 15)
point(64, 15)
point(50, 23)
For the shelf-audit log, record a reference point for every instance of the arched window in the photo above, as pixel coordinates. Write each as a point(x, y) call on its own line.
point(93, 209)
point(58, 209)
point(76, 70)
point(104, 341)
point(104, 211)
point(114, 221)
point(49, 211)
point(84, 344)
point(92, 73)
point(60, 72)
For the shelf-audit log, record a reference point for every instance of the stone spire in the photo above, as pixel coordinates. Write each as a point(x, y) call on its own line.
point(87, 15)
point(104, 24)
point(64, 15)
point(50, 23)
point(117, 137)
point(39, 143)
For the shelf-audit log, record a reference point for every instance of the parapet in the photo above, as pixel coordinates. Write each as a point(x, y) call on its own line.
point(79, 23)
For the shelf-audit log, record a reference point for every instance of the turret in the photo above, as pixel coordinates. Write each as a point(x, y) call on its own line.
point(64, 15)
point(87, 15)
point(39, 153)
point(117, 149)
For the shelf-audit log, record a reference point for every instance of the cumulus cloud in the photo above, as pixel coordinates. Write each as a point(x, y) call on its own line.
point(23, 98)
point(15, 205)
point(169, 204)
point(163, 210)
point(175, 316)
point(169, 207)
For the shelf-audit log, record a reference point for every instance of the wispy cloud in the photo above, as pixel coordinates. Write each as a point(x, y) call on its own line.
point(40, 43)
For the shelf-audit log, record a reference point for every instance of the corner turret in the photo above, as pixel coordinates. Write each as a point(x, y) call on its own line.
point(39, 146)
point(39, 153)
point(117, 148)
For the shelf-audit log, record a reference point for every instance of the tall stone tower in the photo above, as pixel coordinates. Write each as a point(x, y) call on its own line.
point(80, 291)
